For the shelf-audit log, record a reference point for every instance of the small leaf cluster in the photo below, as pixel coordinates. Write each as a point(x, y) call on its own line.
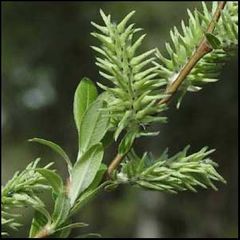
point(170, 174)
point(92, 125)
point(22, 191)
point(85, 175)
point(184, 43)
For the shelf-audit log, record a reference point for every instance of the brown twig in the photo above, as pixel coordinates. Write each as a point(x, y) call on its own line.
point(114, 164)
point(202, 49)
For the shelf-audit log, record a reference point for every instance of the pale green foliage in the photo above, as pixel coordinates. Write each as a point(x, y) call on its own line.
point(92, 123)
point(134, 86)
point(22, 191)
point(93, 127)
point(87, 196)
point(85, 170)
point(185, 42)
point(129, 103)
point(178, 173)
point(85, 94)
point(54, 180)
point(55, 147)
point(61, 209)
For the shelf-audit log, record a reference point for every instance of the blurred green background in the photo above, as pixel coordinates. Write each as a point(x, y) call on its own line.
point(46, 51)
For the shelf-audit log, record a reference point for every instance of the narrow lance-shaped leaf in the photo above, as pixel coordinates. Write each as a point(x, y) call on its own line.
point(72, 225)
point(107, 139)
point(85, 170)
point(53, 179)
point(61, 209)
point(126, 143)
point(85, 94)
point(87, 196)
point(38, 222)
point(94, 125)
point(213, 40)
point(55, 148)
point(98, 178)
point(39, 206)
point(92, 190)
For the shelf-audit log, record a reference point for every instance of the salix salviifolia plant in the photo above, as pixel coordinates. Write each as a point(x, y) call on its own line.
point(137, 87)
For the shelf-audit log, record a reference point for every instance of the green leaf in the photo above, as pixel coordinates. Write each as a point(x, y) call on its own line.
point(92, 190)
point(62, 233)
point(41, 218)
point(98, 177)
point(36, 203)
point(108, 139)
point(122, 124)
point(85, 94)
point(213, 40)
point(72, 225)
point(86, 197)
point(126, 143)
point(85, 170)
point(55, 148)
point(94, 125)
point(38, 222)
point(61, 209)
point(53, 179)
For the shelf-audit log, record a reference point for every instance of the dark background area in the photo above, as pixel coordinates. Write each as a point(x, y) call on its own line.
point(45, 53)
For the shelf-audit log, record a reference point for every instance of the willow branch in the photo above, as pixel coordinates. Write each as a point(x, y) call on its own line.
point(114, 164)
point(202, 49)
